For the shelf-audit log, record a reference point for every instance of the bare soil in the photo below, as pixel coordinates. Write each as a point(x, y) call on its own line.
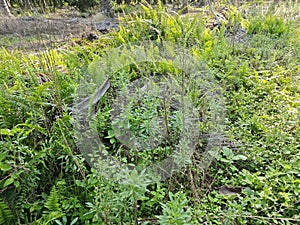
point(36, 33)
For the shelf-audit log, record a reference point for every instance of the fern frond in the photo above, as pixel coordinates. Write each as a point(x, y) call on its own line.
point(5, 213)
point(48, 218)
point(52, 203)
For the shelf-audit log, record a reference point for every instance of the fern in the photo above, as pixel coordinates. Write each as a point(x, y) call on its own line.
point(5, 213)
point(54, 211)
point(52, 203)
point(48, 218)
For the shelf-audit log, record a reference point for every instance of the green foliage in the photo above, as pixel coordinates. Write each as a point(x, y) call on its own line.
point(5, 213)
point(34, 150)
point(49, 218)
point(269, 25)
point(44, 179)
point(157, 25)
point(52, 203)
point(176, 211)
point(151, 204)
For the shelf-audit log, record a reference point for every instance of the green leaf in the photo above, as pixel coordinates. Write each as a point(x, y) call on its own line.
point(17, 184)
point(239, 157)
point(5, 132)
point(74, 221)
point(227, 152)
point(8, 182)
point(2, 156)
point(58, 222)
point(4, 167)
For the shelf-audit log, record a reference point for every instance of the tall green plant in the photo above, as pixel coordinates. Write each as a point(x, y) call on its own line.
point(176, 211)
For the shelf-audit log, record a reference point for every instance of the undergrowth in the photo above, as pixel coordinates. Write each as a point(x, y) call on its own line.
point(253, 177)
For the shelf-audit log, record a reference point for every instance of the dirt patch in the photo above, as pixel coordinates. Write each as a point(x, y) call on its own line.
point(31, 32)
point(28, 26)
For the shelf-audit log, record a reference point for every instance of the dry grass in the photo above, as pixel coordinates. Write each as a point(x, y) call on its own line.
point(33, 33)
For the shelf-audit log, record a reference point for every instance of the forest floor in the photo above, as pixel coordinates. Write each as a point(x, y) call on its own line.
point(39, 32)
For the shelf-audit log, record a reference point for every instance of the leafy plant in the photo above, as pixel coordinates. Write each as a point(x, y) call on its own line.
point(52, 203)
point(269, 25)
point(176, 211)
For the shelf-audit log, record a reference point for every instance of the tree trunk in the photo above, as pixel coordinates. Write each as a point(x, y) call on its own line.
point(4, 10)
